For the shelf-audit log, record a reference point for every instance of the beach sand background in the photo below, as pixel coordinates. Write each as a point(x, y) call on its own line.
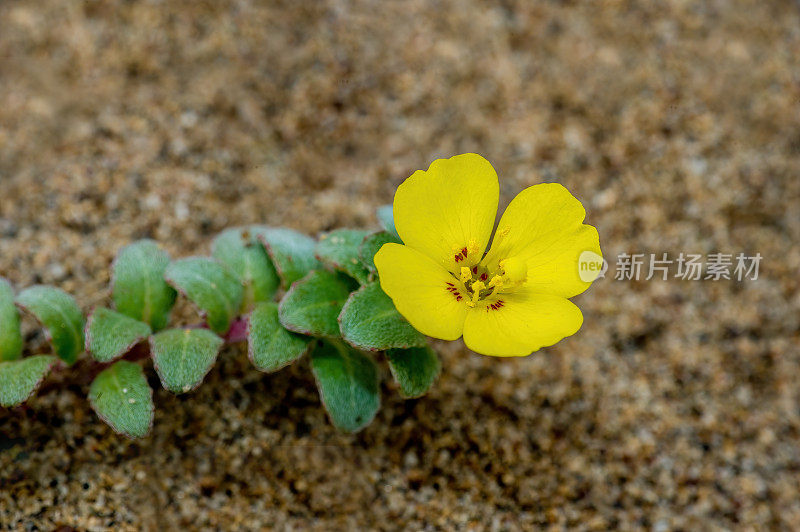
point(677, 125)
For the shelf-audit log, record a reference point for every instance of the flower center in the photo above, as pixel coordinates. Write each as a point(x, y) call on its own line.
point(482, 284)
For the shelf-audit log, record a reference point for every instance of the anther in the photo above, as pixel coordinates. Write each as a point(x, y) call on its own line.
point(497, 281)
point(477, 286)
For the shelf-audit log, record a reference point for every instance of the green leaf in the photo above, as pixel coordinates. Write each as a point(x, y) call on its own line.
point(370, 321)
point(109, 334)
point(371, 245)
point(10, 332)
point(122, 398)
point(215, 291)
point(348, 384)
point(137, 284)
point(20, 378)
point(291, 252)
point(339, 250)
point(61, 317)
point(414, 369)
point(313, 304)
point(386, 218)
point(241, 251)
point(183, 357)
point(270, 345)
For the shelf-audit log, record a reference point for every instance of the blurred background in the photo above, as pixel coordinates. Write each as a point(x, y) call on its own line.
point(677, 406)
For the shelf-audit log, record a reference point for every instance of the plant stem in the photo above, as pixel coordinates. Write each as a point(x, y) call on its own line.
point(238, 331)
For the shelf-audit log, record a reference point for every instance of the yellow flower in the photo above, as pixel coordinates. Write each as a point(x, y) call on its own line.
point(509, 302)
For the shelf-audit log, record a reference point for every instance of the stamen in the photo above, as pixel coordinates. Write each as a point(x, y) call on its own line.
point(497, 281)
point(477, 286)
point(480, 284)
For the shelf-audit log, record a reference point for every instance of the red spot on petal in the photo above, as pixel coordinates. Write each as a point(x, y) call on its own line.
point(458, 298)
point(464, 252)
point(497, 305)
point(484, 276)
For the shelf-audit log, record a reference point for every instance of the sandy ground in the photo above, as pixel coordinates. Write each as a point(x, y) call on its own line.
point(677, 406)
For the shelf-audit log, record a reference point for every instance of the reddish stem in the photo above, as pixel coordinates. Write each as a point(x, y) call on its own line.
point(237, 332)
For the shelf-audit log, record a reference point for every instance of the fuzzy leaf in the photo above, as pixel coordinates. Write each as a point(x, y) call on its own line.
point(270, 345)
point(10, 332)
point(414, 369)
point(241, 251)
point(313, 304)
point(110, 334)
point(61, 317)
point(339, 250)
point(183, 357)
point(348, 384)
point(138, 287)
point(215, 291)
point(386, 218)
point(371, 245)
point(370, 321)
point(20, 378)
point(122, 398)
point(291, 252)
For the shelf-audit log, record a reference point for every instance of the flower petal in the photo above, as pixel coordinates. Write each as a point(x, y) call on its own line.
point(448, 208)
point(523, 322)
point(419, 289)
point(543, 227)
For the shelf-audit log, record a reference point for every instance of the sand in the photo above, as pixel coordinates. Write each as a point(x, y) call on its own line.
point(676, 124)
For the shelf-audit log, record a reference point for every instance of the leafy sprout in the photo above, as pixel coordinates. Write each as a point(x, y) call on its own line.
point(346, 300)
